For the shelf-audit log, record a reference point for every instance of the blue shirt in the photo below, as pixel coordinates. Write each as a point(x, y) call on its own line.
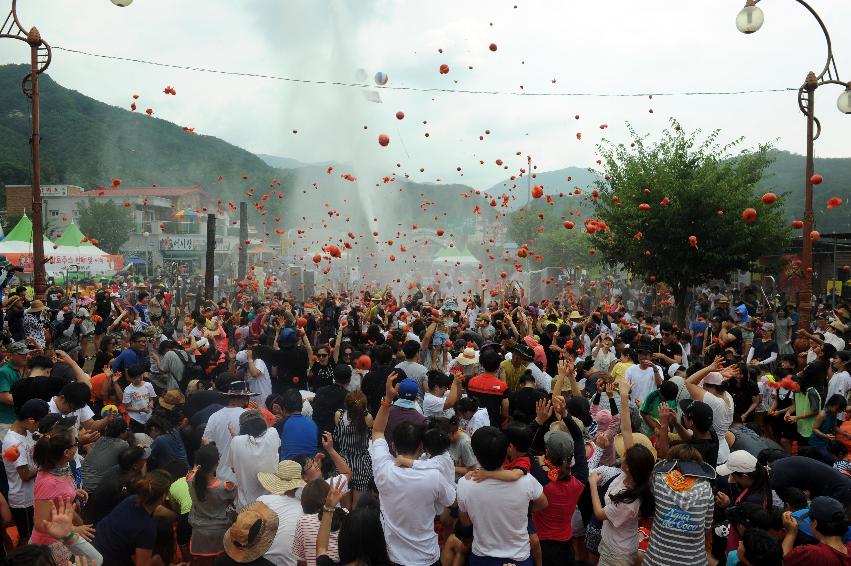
point(127, 359)
point(125, 529)
point(167, 448)
point(299, 435)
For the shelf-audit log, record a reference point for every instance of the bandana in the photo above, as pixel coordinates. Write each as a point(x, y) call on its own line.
point(679, 482)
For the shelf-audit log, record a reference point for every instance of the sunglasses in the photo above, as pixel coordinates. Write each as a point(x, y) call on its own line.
point(322, 355)
point(347, 353)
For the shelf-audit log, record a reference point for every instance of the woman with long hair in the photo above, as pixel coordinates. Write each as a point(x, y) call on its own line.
point(361, 539)
point(351, 437)
point(211, 499)
point(628, 498)
point(52, 454)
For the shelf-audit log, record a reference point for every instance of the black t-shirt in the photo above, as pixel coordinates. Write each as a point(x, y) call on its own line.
point(742, 391)
point(225, 560)
point(551, 355)
point(292, 365)
point(809, 474)
point(321, 376)
point(202, 399)
point(708, 448)
point(327, 402)
point(670, 350)
point(43, 387)
point(763, 349)
point(524, 400)
point(374, 385)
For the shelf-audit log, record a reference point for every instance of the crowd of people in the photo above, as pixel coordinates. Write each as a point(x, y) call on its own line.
point(375, 428)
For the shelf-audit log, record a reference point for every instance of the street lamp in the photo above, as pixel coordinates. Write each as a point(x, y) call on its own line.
point(40, 56)
point(749, 20)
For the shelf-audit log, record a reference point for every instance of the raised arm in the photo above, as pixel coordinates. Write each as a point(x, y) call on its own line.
point(384, 410)
point(694, 389)
point(626, 421)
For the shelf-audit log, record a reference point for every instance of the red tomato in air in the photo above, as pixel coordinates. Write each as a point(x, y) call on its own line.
point(816, 179)
point(440, 231)
point(568, 224)
point(644, 207)
point(537, 191)
point(797, 224)
point(749, 215)
point(492, 47)
point(444, 69)
point(400, 115)
point(317, 258)
point(769, 198)
point(383, 140)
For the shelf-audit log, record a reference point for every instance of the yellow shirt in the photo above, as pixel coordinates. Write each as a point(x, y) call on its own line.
point(511, 375)
point(619, 371)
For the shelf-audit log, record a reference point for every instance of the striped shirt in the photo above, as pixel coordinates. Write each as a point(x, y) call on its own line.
point(679, 523)
point(304, 541)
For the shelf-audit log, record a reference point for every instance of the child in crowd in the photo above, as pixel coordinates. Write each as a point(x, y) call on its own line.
point(473, 417)
point(139, 398)
point(824, 429)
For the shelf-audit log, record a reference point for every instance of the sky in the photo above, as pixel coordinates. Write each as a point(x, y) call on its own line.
point(545, 46)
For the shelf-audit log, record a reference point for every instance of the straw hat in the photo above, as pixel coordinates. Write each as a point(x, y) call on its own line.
point(252, 534)
point(468, 357)
point(574, 315)
point(36, 306)
point(171, 398)
point(287, 476)
point(639, 439)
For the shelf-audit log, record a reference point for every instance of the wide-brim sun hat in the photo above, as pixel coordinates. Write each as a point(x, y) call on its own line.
point(574, 315)
point(36, 306)
point(286, 477)
point(252, 534)
point(638, 439)
point(468, 357)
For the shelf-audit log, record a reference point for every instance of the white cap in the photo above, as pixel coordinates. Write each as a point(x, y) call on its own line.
point(201, 342)
point(740, 461)
point(673, 368)
point(242, 357)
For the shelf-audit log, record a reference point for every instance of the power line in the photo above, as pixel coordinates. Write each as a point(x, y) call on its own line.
point(420, 89)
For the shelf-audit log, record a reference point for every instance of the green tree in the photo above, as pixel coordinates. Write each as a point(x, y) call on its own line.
point(694, 189)
point(547, 236)
point(109, 223)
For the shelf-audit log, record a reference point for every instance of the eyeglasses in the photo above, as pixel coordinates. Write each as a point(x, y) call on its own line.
point(322, 355)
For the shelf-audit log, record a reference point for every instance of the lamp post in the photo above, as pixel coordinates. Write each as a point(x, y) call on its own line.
point(748, 21)
point(40, 56)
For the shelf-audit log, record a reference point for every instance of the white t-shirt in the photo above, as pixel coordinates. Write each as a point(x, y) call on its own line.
point(479, 419)
point(839, 384)
point(722, 418)
point(217, 431)
point(20, 492)
point(643, 381)
point(261, 384)
point(249, 455)
point(289, 512)
point(542, 379)
point(410, 498)
point(136, 399)
point(83, 414)
point(494, 507)
point(433, 405)
point(620, 529)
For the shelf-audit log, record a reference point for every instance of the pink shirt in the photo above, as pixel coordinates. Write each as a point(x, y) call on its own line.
point(47, 488)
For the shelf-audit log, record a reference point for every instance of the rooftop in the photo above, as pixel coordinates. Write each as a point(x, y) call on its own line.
point(144, 192)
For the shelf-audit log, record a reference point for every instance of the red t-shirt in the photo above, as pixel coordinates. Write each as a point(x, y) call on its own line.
point(554, 521)
point(520, 463)
point(817, 555)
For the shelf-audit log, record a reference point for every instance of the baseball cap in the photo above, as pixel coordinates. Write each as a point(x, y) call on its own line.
point(698, 412)
point(18, 348)
point(823, 508)
point(51, 420)
point(713, 378)
point(740, 461)
point(408, 390)
point(559, 445)
point(673, 368)
point(33, 409)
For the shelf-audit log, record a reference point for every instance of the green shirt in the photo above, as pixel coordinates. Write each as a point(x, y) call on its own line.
point(8, 376)
point(650, 406)
point(179, 491)
point(512, 374)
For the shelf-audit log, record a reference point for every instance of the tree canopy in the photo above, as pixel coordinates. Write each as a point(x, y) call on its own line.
point(542, 229)
point(107, 222)
point(673, 208)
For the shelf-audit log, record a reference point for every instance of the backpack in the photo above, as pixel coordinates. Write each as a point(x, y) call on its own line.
point(189, 366)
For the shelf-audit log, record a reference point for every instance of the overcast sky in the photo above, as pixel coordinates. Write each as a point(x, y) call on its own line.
point(604, 46)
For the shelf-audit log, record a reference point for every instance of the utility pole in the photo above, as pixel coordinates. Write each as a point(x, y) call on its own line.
point(210, 268)
point(243, 236)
